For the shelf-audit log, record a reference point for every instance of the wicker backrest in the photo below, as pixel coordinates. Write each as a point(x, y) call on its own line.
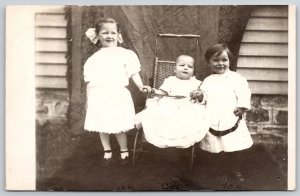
point(162, 70)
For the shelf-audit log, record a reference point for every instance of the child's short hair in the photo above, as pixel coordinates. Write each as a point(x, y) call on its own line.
point(217, 49)
point(104, 20)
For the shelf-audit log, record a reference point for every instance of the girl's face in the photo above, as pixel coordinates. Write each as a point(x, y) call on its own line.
point(219, 63)
point(184, 68)
point(108, 35)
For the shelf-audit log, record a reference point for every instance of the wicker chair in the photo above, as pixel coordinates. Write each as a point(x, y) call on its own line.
point(162, 70)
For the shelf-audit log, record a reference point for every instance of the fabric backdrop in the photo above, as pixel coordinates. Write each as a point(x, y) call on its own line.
point(141, 24)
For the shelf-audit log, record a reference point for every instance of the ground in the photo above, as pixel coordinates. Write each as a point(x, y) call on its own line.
point(74, 162)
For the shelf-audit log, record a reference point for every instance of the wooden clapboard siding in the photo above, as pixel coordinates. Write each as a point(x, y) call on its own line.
point(54, 44)
point(270, 11)
point(51, 48)
point(51, 20)
point(263, 62)
point(263, 55)
point(50, 70)
point(265, 37)
point(267, 87)
point(50, 57)
point(267, 24)
point(264, 49)
point(50, 32)
point(264, 74)
point(51, 82)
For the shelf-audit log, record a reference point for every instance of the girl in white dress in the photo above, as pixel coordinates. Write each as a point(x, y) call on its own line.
point(227, 97)
point(110, 108)
point(171, 121)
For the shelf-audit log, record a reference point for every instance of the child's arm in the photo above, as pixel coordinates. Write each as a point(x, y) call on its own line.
point(159, 91)
point(243, 94)
point(138, 82)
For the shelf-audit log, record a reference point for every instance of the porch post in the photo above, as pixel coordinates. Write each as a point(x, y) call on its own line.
point(76, 101)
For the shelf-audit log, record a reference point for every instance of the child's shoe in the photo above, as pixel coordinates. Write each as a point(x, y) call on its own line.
point(124, 159)
point(107, 159)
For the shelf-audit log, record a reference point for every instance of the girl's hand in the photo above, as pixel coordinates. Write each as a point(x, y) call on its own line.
point(239, 111)
point(196, 95)
point(146, 89)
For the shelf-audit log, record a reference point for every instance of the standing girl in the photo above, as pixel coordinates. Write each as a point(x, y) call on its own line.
point(110, 108)
point(227, 97)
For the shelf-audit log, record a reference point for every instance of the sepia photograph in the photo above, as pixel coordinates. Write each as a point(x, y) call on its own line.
point(151, 97)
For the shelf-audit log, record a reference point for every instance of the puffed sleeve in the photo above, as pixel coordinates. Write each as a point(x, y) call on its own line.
point(87, 71)
point(133, 64)
point(243, 92)
point(166, 85)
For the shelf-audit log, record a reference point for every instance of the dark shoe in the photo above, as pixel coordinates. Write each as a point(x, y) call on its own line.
point(124, 161)
point(107, 161)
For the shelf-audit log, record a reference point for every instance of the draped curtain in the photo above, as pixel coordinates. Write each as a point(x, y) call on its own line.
point(140, 25)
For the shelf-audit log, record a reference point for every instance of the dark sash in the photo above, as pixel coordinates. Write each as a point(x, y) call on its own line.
point(225, 132)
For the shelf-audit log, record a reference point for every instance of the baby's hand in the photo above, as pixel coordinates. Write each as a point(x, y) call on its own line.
point(196, 95)
point(239, 111)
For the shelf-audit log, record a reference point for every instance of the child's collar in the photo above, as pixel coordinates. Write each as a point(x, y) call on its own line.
point(225, 73)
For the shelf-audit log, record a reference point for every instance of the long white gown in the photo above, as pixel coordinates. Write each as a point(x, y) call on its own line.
point(173, 122)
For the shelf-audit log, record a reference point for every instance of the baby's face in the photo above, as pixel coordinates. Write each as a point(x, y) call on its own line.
point(184, 67)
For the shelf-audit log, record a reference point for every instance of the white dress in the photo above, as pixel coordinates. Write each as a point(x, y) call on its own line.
point(172, 122)
point(110, 108)
point(222, 94)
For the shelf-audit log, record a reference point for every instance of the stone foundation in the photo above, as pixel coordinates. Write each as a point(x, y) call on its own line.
point(51, 105)
point(268, 113)
point(268, 124)
point(268, 109)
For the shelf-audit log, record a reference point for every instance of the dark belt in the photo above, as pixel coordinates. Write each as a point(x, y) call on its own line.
point(225, 132)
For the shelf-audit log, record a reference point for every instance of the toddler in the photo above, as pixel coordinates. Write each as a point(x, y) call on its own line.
point(226, 97)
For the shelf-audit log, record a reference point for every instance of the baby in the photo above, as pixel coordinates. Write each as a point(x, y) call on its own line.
point(183, 83)
point(171, 119)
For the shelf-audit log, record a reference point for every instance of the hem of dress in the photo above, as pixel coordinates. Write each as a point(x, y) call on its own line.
point(122, 131)
point(172, 146)
point(211, 151)
point(167, 143)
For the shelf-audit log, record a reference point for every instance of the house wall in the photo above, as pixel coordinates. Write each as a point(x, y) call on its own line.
point(263, 55)
point(51, 65)
point(263, 60)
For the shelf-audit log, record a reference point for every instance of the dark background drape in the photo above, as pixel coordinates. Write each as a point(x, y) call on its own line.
point(141, 24)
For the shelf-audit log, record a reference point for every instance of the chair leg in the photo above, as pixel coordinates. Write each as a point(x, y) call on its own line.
point(191, 162)
point(135, 146)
